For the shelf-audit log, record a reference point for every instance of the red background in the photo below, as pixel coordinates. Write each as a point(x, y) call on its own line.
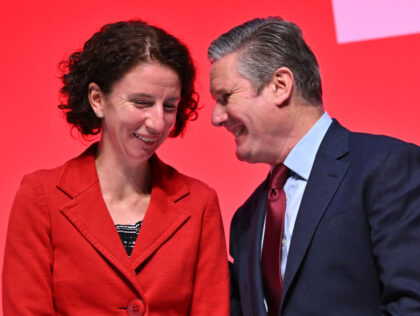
point(370, 86)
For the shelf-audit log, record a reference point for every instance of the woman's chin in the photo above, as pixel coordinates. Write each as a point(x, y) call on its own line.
point(136, 155)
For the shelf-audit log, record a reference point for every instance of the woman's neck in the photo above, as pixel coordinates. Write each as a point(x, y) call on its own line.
point(120, 178)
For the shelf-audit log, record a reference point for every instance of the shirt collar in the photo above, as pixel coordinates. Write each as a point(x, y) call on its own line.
point(302, 156)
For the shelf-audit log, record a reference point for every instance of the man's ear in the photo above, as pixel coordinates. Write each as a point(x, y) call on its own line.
point(282, 84)
point(96, 99)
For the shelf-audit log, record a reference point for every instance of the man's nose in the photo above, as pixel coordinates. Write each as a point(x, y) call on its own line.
point(219, 115)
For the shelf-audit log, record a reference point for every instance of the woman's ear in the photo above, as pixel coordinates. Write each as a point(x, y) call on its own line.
point(96, 99)
point(282, 84)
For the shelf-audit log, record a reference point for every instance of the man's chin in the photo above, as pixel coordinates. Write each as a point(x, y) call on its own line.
point(245, 156)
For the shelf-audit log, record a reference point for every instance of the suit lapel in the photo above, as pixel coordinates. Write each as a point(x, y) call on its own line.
point(326, 175)
point(254, 273)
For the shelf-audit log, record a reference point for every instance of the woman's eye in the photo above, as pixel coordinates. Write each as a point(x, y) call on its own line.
point(142, 104)
point(169, 107)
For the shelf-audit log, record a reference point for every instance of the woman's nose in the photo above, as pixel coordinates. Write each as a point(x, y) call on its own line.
point(155, 122)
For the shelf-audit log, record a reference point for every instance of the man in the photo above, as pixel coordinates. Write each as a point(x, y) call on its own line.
point(343, 231)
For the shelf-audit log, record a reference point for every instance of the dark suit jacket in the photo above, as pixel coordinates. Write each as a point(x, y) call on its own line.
point(355, 249)
point(64, 256)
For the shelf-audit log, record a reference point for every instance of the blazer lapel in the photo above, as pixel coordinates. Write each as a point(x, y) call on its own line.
point(163, 217)
point(326, 175)
point(88, 213)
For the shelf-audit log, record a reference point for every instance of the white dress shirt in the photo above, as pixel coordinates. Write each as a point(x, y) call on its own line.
point(300, 161)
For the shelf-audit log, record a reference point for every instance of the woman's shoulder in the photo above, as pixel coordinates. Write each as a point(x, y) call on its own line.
point(196, 184)
point(172, 175)
point(78, 164)
point(192, 194)
point(44, 175)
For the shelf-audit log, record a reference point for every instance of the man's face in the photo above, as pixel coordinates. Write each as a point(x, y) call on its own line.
point(256, 122)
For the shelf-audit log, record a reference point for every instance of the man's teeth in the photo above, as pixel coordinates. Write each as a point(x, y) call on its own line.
point(239, 131)
point(145, 139)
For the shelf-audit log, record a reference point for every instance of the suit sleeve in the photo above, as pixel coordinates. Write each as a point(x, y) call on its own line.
point(27, 280)
point(394, 218)
point(211, 282)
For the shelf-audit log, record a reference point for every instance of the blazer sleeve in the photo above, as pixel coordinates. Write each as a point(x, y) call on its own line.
point(394, 217)
point(27, 279)
point(211, 281)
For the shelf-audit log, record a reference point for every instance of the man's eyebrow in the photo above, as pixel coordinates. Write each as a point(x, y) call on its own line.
point(220, 91)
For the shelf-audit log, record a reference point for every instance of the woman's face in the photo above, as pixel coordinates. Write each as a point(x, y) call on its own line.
point(139, 112)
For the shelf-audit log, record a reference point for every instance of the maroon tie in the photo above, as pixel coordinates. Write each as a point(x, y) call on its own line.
point(271, 255)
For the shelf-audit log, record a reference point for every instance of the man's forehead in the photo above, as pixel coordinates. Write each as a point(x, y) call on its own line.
point(219, 70)
point(219, 84)
point(218, 79)
point(221, 73)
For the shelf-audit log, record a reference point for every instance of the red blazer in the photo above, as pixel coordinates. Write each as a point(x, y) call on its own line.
point(64, 256)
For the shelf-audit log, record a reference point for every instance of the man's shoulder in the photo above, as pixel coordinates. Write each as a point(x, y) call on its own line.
point(370, 145)
point(376, 140)
point(362, 144)
point(367, 154)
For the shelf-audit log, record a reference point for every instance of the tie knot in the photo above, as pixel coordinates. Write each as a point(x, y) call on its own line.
point(278, 176)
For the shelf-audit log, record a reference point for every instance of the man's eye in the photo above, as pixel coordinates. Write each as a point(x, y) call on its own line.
point(225, 99)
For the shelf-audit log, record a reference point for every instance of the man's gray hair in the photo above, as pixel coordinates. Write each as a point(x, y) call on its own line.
point(263, 46)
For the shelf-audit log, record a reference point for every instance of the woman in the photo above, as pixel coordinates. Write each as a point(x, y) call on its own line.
point(72, 229)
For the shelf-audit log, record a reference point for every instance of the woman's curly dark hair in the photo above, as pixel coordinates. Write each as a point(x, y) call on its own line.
point(108, 55)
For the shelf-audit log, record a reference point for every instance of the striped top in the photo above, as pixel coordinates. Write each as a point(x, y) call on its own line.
point(128, 235)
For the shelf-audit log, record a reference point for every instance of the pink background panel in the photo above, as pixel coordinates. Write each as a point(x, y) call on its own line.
point(358, 20)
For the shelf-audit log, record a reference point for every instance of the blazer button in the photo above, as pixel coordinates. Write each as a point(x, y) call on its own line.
point(135, 307)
